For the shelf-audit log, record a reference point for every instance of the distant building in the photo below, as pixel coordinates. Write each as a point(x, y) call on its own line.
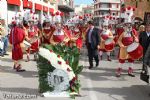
point(66, 6)
point(141, 6)
point(88, 9)
point(9, 8)
point(106, 7)
point(79, 9)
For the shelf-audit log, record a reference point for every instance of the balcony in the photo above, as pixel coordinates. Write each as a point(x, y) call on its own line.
point(112, 9)
point(107, 1)
point(65, 5)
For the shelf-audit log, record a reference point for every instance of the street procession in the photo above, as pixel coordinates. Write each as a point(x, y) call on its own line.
point(74, 49)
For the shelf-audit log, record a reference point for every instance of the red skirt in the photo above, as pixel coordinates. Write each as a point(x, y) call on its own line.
point(46, 41)
point(17, 53)
point(34, 47)
point(79, 43)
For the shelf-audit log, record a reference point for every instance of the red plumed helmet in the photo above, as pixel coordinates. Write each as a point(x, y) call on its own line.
point(133, 9)
point(80, 17)
point(53, 14)
point(61, 14)
point(129, 8)
point(110, 17)
point(57, 13)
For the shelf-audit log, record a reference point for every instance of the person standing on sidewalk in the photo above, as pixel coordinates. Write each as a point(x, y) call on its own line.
point(3, 37)
point(144, 39)
point(92, 43)
point(17, 36)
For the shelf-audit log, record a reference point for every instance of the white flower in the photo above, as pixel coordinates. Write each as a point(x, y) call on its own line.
point(56, 61)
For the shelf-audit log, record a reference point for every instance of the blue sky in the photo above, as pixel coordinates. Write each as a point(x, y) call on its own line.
point(77, 2)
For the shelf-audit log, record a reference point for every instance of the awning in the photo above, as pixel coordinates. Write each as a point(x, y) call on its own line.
point(14, 2)
point(45, 9)
point(38, 6)
point(51, 10)
point(27, 4)
point(65, 8)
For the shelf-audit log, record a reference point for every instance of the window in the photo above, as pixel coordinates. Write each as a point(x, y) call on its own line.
point(117, 5)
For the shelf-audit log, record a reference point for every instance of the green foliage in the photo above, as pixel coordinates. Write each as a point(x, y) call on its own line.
point(69, 54)
point(43, 68)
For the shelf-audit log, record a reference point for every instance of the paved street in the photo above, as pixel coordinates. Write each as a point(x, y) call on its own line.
point(97, 84)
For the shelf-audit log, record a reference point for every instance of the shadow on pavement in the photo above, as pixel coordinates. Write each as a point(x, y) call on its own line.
point(26, 74)
point(103, 75)
point(19, 90)
point(135, 92)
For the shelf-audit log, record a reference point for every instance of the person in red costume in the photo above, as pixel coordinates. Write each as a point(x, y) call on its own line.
point(32, 36)
point(59, 35)
point(17, 36)
point(105, 34)
point(77, 34)
point(127, 37)
point(47, 30)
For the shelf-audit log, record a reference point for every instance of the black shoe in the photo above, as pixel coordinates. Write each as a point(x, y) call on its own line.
point(90, 67)
point(20, 70)
point(118, 75)
point(97, 64)
point(131, 75)
point(6, 54)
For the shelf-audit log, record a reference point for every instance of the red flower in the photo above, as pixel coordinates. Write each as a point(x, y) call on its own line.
point(74, 79)
point(133, 9)
point(59, 62)
point(67, 62)
point(49, 62)
point(110, 17)
point(80, 17)
point(57, 13)
point(61, 14)
point(32, 17)
point(31, 11)
point(107, 16)
point(51, 50)
point(129, 8)
point(53, 14)
point(58, 56)
point(68, 70)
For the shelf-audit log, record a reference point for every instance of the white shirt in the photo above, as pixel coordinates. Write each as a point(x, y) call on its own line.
point(148, 34)
point(90, 33)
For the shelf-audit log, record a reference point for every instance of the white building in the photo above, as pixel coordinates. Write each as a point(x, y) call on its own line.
point(79, 9)
point(106, 7)
point(67, 7)
point(9, 8)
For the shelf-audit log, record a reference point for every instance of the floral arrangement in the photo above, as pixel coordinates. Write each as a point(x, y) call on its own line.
point(63, 58)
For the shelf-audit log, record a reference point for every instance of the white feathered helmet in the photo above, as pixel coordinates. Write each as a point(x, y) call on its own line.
point(106, 20)
point(113, 20)
point(57, 17)
point(18, 18)
point(47, 18)
point(29, 15)
point(129, 14)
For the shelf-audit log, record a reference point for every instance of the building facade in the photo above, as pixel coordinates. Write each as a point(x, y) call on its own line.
point(88, 10)
point(66, 6)
point(9, 8)
point(106, 7)
point(141, 6)
point(79, 9)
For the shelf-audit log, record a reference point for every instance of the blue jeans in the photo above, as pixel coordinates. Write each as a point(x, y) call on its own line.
point(5, 40)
